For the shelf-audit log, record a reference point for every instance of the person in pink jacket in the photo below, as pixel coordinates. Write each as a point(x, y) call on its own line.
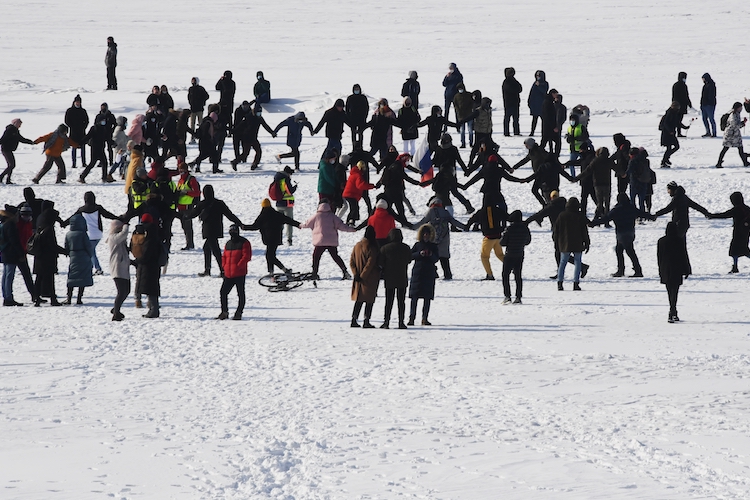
point(356, 185)
point(135, 132)
point(325, 227)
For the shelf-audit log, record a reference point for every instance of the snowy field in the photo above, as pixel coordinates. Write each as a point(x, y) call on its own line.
point(588, 395)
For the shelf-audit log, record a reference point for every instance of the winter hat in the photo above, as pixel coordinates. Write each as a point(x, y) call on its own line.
point(554, 194)
point(509, 72)
point(435, 110)
point(672, 186)
point(413, 75)
point(407, 101)
point(446, 141)
point(344, 160)
point(329, 153)
point(383, 102)
point(259, 74)
point(288, 170)
point(515, 216)
point(529, 143)
point(300, 116)
point(736, 105)
point(395, 235)
point(382, 204)
point(16, 122)
point(461, 86)
point(227, 74)
point(62, 128)
point(146, 219)
point(115, 226)
point(121, 121)
point(623, 198)
point(141, 172)
point(681, 75)
point(265, 203)
point(234, 230)
point(339, 103)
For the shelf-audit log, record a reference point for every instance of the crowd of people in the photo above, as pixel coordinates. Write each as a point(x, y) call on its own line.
point(158, 195)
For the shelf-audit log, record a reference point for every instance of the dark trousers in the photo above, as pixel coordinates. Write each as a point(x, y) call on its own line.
point(187, 226)
point(353, 210)
point(294, 153)
point(672, 290)
point(123, 290)
point(97, 156)
point(226, 287)
point(318, 253)
point(10, 159)
point(625, 245)
point(671, 149)
point(425, 309)
point(23, 266)
point(272, 260)
point(45, 282)
point(73, 155)
point(248, 144)
point(603, 196)
point(513, 264)
point(211, 246)
point(511, 114)
point(358, 308)
point(390, 295)
point(445, 263)
point(111, 78)
point(206, 151)
point(57, 160)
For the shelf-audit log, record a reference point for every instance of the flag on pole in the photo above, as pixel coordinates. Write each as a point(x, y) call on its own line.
point(423, 161)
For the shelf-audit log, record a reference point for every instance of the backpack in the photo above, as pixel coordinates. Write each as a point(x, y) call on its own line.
point(724, 121)
point(274, 191)
point(644, 173)
point(661, 123)
point(32, 246)
point(138, 245)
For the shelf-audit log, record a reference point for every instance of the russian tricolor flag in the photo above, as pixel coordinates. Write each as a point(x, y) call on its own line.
point(423, 161)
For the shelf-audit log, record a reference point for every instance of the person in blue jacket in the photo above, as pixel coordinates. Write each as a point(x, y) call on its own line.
point(451, 80)
point(294, 125)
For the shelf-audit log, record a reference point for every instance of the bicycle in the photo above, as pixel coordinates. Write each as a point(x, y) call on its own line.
point(283, 282)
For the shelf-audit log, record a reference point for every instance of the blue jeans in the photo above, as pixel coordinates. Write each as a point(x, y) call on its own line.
point(577, 256)
point(573, 157)
point(9, 273)
point(639, 190)
point(708, 117)
point(94, 258)
point(470, 126)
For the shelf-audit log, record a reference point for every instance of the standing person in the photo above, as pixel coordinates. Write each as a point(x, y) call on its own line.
point(512, 89)
point(357, 108)
point(621, 158)
point(577, 136)
point(45, 251)
point(271, 223)
point(381, 123)
point(450, 82)
point(356, 186)
point(463, 101)
point(440, 220)
point(740, 215)
point(514, 239)
point(394, 260)
point(148, 251)
point(681, 95)
point(237, 254)
point(624, 216)
point(77, 120)
point(78, 248)
point(382, 221)
point(327, 183)
point(207, 142)
point(408, 118)
point(411, 89)
point(119, 264)
point(600, 170)
point(550, 128)
point(55, 144)
point(110, 61)
point(639, 174)
point(708, 105)
point(188, 194)
point(482, 117)
point(227, 89)
point(325, 237)
point(122, 152)
point(242, 111)
point(670, 126)
point(12, 252)
point(166, 100)
point(211, 211)
point(262, 89)
point(679, 207)
point(136, 163)
point(366, 272)
point(197, 98)
point(285, 202)
point(8, 144)
point(251, 127)
point(424, 253)
point(491, 220)
point(733, 135)
point(572, 237)
point(92, 214)
point(674, 265)
point(562, 115)
point(538, 92)
point(294, 125)
point(334, 119)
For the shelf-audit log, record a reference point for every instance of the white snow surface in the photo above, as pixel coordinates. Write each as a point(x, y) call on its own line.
point(571, 395)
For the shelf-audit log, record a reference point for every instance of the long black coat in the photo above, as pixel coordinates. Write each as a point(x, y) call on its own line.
point(77, 120)
point(671, 253)
point(424, 271)
point(148, 270)
point(270, 223)
point(394, 259)
point(357, 108)
point(211, 211)
point(680, 94)
point(571, 233)
point(740, 215)
point(512, 89)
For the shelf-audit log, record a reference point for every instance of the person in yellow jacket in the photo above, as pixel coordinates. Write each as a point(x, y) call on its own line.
point(577, 135)
point(136, 162)
point(55, 144)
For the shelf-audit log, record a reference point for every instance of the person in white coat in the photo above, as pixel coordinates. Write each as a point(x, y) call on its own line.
point(119, 264)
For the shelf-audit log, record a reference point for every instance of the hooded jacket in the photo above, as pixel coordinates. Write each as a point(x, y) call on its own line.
point(357, 107)
point(78, 248)
point(236, 256)
point(394, 260)
point(11, 137)
point(271, 223)
point(537, 94)
point(708, 93)
point(211, 211)
point(325, 227)
point(424, 272)
point(680, 93)
point(571, 232)
point(740, 215)
point(294, 129)
point(334, 121)
point(672, 257)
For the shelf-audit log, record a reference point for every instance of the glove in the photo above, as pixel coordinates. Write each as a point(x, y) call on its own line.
point(357, 278)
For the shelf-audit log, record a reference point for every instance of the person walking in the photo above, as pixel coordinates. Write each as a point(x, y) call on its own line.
point(572, 237)
point(491, 220)
point(271, 223)
point(681, 95)
point(325, 228)
point(708, 105)
point(237, 254)
point(733, 135)
point(394, 260)
point(674, 265)
point(8, 145)
point(740, 215)
point(188, 192)
point(55, 144)
point(670, 126)
point(514, 239)
point(110, 61)
point(425, 255)
point(227, 89)
point(119, 264)
point(294, 125)
point(366, 272)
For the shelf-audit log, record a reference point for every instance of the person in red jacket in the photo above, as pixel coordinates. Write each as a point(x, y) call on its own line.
point(356, 185)
point(237, 254)
point(382, 221)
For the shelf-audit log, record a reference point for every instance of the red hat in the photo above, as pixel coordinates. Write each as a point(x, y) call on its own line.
point(147, 219)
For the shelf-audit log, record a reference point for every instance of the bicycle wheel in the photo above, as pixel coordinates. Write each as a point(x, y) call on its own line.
point(272, 280)
point(286, 286)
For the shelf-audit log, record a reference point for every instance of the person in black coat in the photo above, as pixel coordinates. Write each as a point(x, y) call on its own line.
point(250, 126)
point(708, 105)
point(537, 156)
point(411, 89)
point(514, 239)
point(423, 274)
point(238, 130)
point(450, 82)
point(394, 259)
point(512, 89)
point(550, 128)
point(197, 98)
point(670, 125)
point(8, 144)
point(681, 95)
point(436, 123)
point(271, 223)
point(148, 264)
point(77, 120)
point(408, 118)
point(740, 215)
point(537, 93)
point(152, 133)
point(357, 108)
point(211, 211)
point(45, 251)
point(227, 89)
point(494, 170)
point(97, 137)
point(334, 119)
point(110, 61)
point(621, 158)
point(679, 207)
point(674, 265)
